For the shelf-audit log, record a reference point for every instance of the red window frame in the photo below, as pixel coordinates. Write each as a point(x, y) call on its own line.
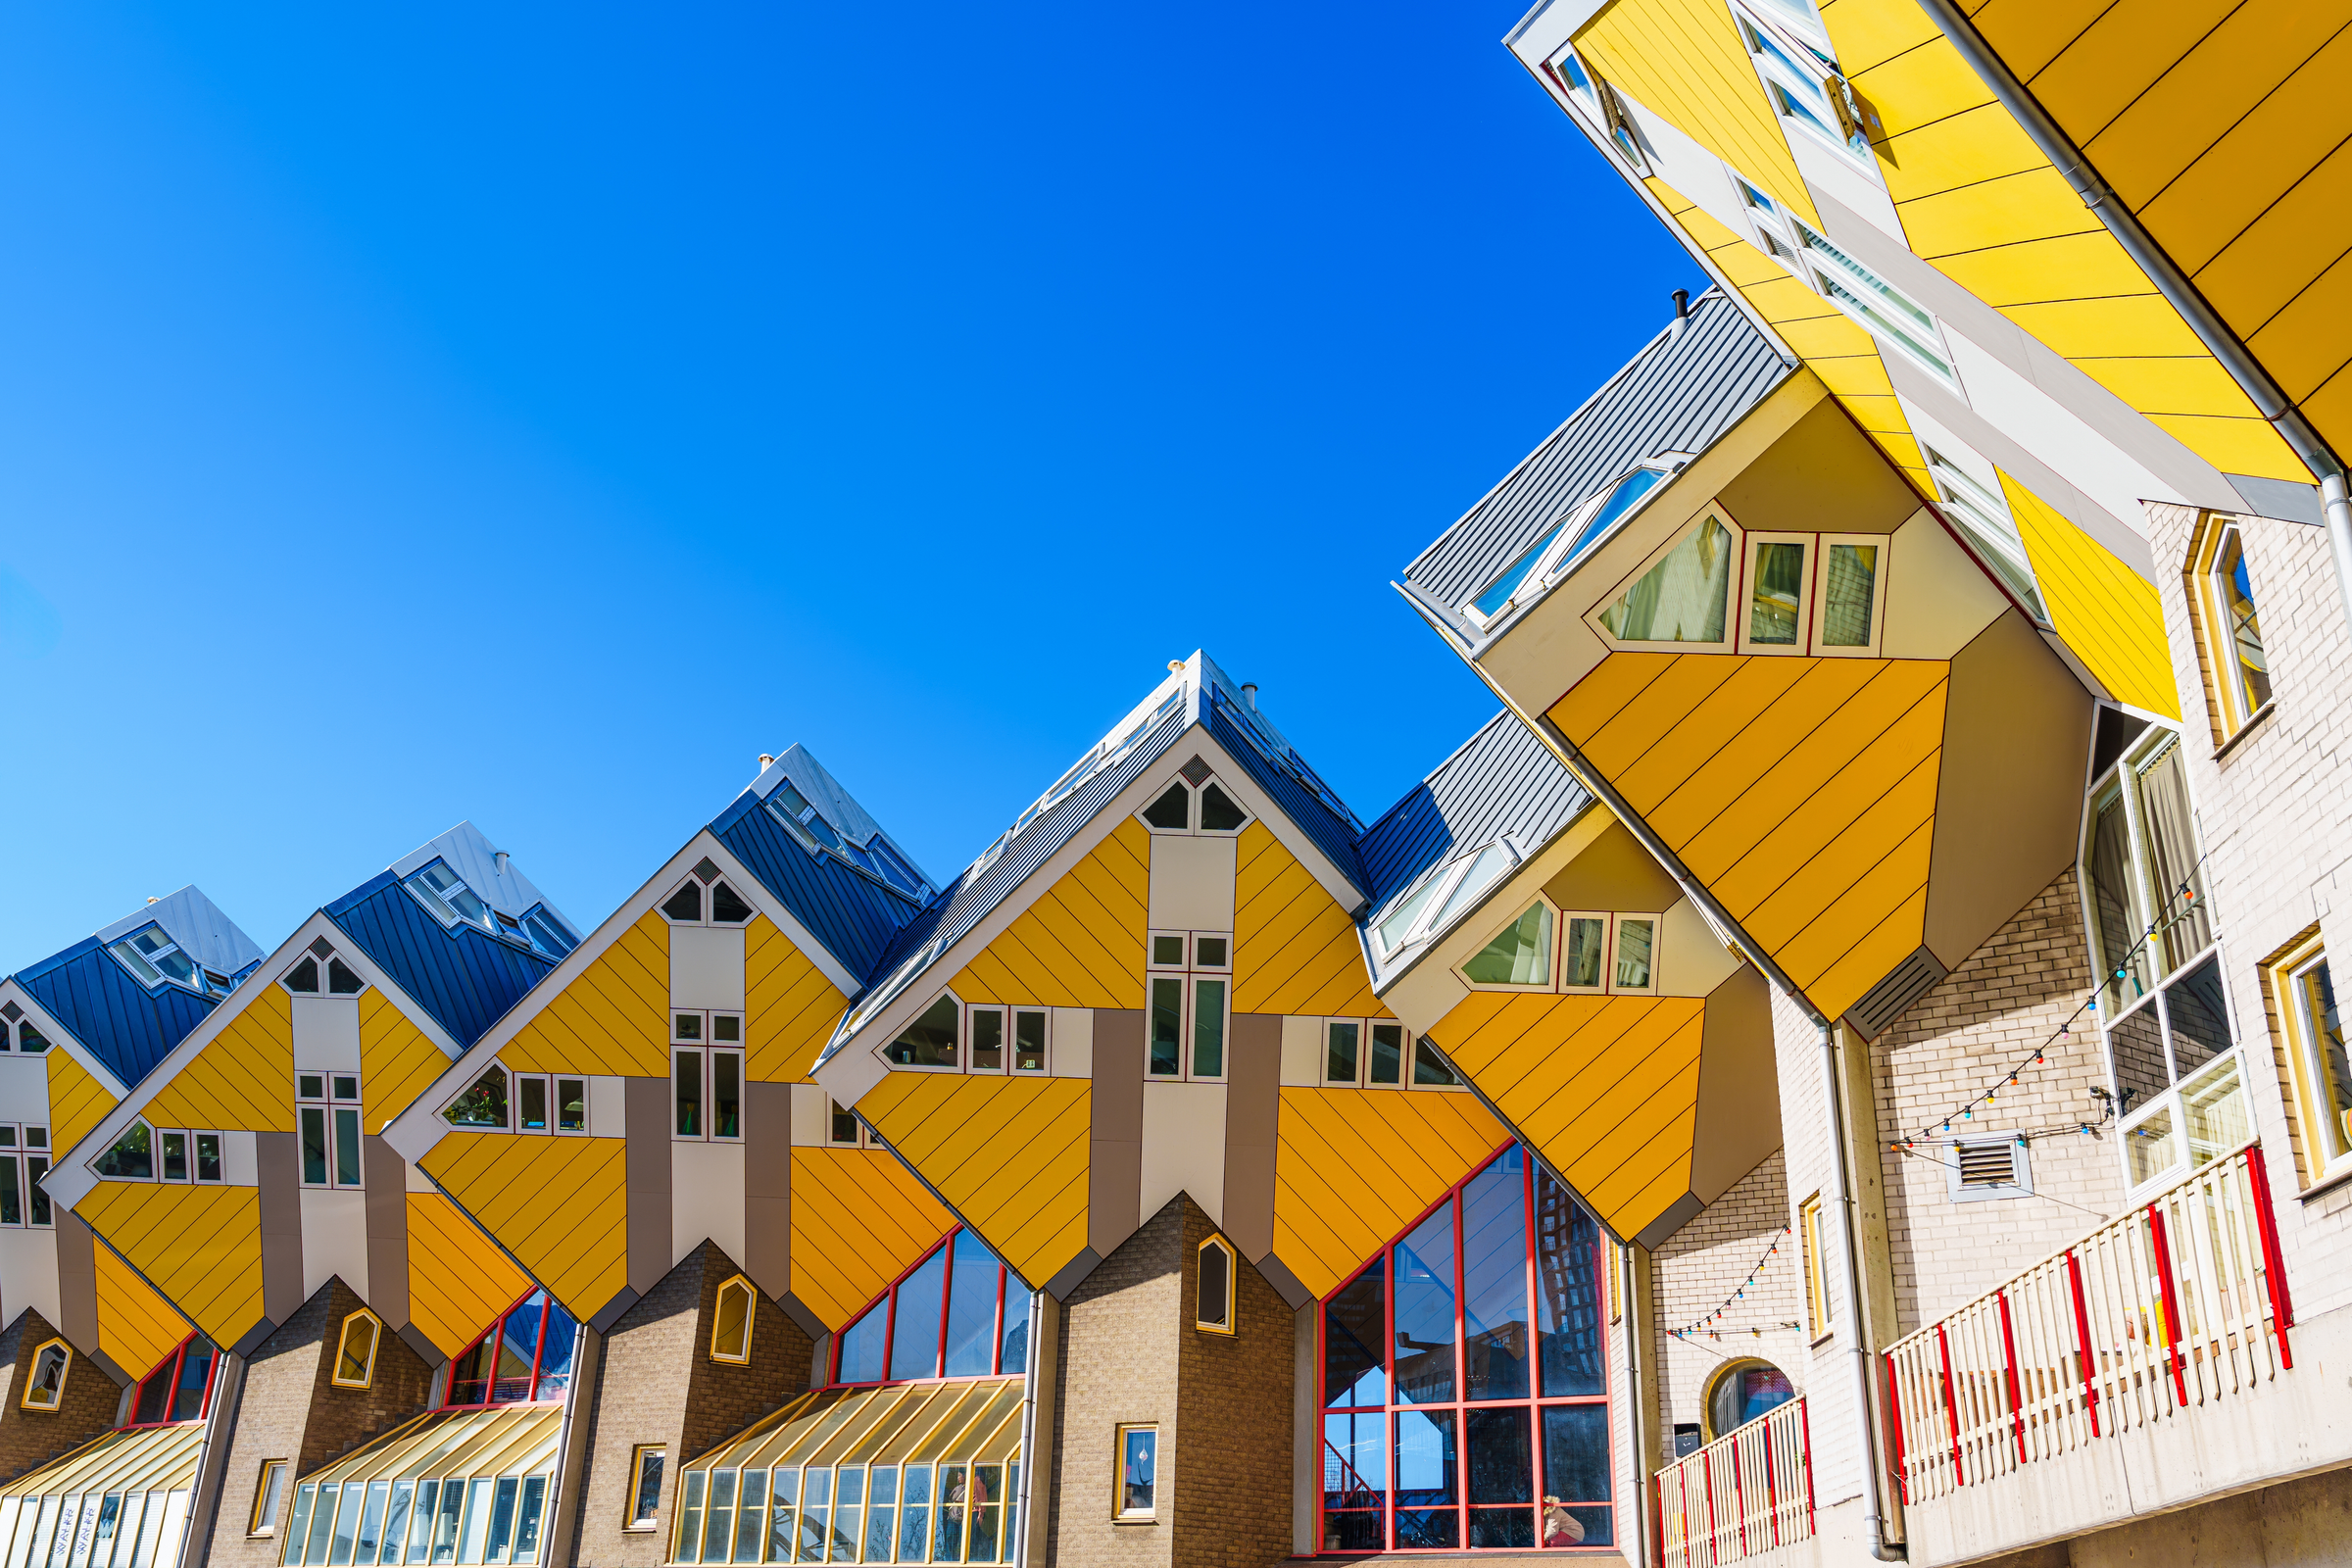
point(168, 1369)
point(889, 1293)
point(449, 1378)
point(1534, 1402)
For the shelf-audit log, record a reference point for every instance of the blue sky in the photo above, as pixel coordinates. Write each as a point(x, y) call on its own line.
point(532, 414)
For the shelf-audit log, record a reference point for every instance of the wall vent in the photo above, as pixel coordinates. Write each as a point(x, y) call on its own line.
point(1995, 1167)
point(1886, 1001)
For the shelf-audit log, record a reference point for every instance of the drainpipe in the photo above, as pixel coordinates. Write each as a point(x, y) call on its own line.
point(1020, 1556)
point(1873, 1517)
point(2170, 280)
point(1641, 1414)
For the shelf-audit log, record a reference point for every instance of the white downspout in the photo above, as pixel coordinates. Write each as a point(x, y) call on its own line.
point(1841, 1195)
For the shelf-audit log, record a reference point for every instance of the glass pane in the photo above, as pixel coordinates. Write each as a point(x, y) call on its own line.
point(347, 1148)
point(817, 1507)
point(2148, 1148)
point(445, 1522)
point(727, 906)
point(1494, 1284)
point(572, 1104)
point(687, 1073)
point(371, 1521)
point(686, 903)
point(1634, 942)
point(1847, 595)
point(1568, 1293)
point(881, 1521)
point(554, 1353)
point(1778, 584)
point(986, 1507)
point(1212, 1288)
point(751, 1516)
point(12, 1199)
point(1355, 1460)
point(2171, 848)
point(2137, 1045)
point(730, 1332)
point(355, 1356)
point(1139, 1471)
point(1354, 1332)
point(915, 1341)
point(421, 1522)
point(396, 1520)
point(1575, 1458)
point(1167, 952)
point(1681, 598)
point(862, 1346)
point(1167, 1028)
point(973, 1309)
point(2250, 666)
point(1218, 814)
point(519, 1349)
point(340, 981)
point(1428, 1479)
point(1588, 942)
point(313, 1147)
point(131, 1156)
point(1388, 1054)
point(484, 1104)
point(2332, 1071)
point(174, 1156)
point(1499, 593)
point(1028, 1040)
point(914, 1516)
point(1399, 921)
point(1012, 1353)
point(1521, 955)
point(988, 1040)
point(783, 1518)
point(1630, 490)
point(2214, 1113)
point(531, 1097)
point(1743, 1392)
point(929, 1040)
point(347, 1522)
point(1208, 1028)
point(1339, 1053)
point(2199, 1014)
point(1425, 1312)
point(726, 1093)
point(1173, 809)
point(208, 1156)
point(955, 1501)
point(527, 1526)
point(1492, 862)
point(718, 1523)
point(1502, 1459)
point(1429, 1068)
point(295, 1527)
point(304, 977)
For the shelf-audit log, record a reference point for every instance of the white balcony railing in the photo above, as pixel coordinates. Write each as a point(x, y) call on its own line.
point(2181, 1303)
point(1747, 1492)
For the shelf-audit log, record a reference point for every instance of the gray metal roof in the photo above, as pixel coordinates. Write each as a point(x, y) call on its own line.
point(1681, 393)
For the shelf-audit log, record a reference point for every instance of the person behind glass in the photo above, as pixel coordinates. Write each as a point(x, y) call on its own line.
point(1560, 1527)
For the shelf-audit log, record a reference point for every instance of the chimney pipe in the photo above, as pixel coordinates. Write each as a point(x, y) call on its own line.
point(767, 762)
point(1681, 305)
point(1249, 694)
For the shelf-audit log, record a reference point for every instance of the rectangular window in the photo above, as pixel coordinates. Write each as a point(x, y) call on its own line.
point(2224, 599)
point(1816, 1294)
point(530, 1103)
point(2304, 993)
point(174, 1154)
point(1635, 970)
point(572, 1104)
point(1138, 1473)
point(1188, 993)
point(687, 1082)
point(266, 1495)
point(1773, 616)
point(1877, 306)
point(1029, 1039)
point(1983, 515)
point(1343, 1055)
point(841, 1125)
point(208, 1156)
point(1848, 596)
point(327, 1120)
point(1386, 1067)
point(986, 1029)
point(1583, 966)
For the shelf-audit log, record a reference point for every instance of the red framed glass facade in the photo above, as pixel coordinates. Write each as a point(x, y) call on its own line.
point(957, 1314)
point(180, 1386)
point(524, 1356)
point(1463, 1387)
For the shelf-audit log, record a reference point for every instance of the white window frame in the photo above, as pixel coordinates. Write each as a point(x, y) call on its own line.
point(1233, 1291)
point(1447, 878)
point(28, 1146)
point(1743, 586)
point(1552, 970)
point(1987, 527)
point(915, 1017)
point(2215, 626)
point(1189, 974)
point(860, 1135)
point(1793, 67)
point(1884, 544)
point(328, 1104)
point(707, 1048)
point(1649, 562)
point(1816, 261)
point(466, 1088)
point(1191, 812)
point(127, 953)
point(436, 900)
point(1556, 552)
point(556, 1083)
point(1406, 1041)
point(1011, 1014)
point(547, 1090)
point(321, 962)
point(2315, 1108)
point(703, 892)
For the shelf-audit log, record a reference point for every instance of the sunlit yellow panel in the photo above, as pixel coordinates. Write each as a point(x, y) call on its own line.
point(859, 1221)
point(612, 1017)
point(201, 1247)
point(790, 1007)
point(1081, 943)
point(1354, 1167)
point(558, 1204)
point(2109, 614)
point(243, 1079)
point(1011, 1154)
point(1295, 950)
point(459, 1279)
point(78, 1101)
point(136, 1327)
point(397, 1062)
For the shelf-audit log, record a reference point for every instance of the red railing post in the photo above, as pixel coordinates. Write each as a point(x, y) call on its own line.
point(2171, 1302)
point(1740, 1497)
point(1706, 1466)
point(2017, 1407)
point(2273, 1262)
point(1894, 1430)
point(1772, 1490)
point(2083, 1351)
point(1804, 1436)
point(1951, 1404)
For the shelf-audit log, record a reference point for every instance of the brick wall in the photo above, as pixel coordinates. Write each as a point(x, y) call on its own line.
point(1119, 1362)
point(656, 1382)
point(291, 1409)
point(30, 1437)
point(2008, 998)
point(1704, 1262)
point(1233, 1482)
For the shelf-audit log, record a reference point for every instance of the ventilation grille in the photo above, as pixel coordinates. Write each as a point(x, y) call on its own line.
point(1988, 1164)
point(1883, 1003)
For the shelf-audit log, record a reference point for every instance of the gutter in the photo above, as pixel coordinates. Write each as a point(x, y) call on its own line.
point(2268, 397)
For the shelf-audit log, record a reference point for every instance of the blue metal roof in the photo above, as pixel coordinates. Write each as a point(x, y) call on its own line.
point(111, 1015)
point(1503, 781)
point(1333, 835)
point(463, 975)
point(1684, 389)
point(853, 916)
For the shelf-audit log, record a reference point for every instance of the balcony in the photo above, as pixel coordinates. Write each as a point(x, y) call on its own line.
point(2136, 1370)
point(1748, 1492)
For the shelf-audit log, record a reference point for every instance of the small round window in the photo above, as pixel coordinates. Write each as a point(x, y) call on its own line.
point(1744, 1391)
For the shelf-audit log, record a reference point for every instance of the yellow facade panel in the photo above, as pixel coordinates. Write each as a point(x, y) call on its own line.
point(1684, 59)
point(2330, 410)
point(859, 1221)
point(1894, 938)
point(558, 1204)
point(2282, 252)
point(1295, 950)
point(78, 1101)
point(2240, 445)
point(1870, 32)
point(2002, 209)
point(1823, 338)
point(2040, 272)
point(458, 1278)
point(1019, 1193)
point(243, 1079)
point(2311, 337)
point(2129, 326)
point(201, 1245)
point(136, 1327)
point(612, 1017)
point(1081, 943)
point(2117, 57)
point(2109, 614)
point(1354, 1167)
point(1879, 909)
point(790, 1008)
point(1861, 375)
point(1779, 885)
point(2031, 33)
point(397, 1062)
point(1922, 86)
point(1964, 149)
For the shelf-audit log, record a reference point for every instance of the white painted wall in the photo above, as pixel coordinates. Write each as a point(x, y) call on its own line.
point(241, 1161)
point(25, 1089)
point(1192, 883)
point(1070, 1045)
point(706, 967)
point(29, 1273)
point(1184, 1146)
point(809, 1107)
point(705, 1198)
point(609, 1107)
point(327, 1035)
point(335, 1238)
point(1301, 1053)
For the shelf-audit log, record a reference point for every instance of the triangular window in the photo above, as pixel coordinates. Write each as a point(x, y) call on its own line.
point(1173, 811)
point(727, 907)
point(523, 1356)
point(176, 1390)
point(1681, 599)
point(685, 905)
point(484, 1104)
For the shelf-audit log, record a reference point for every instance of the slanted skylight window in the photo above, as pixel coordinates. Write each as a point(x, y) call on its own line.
point(445, 894)
point(1584, 527)
point(1435, 903)
point(153, 957)
point(1683, 598)
point(547, 933)
point(788, 806)
point(1983, 515)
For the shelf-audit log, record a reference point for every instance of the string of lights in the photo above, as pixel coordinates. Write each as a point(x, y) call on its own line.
point(2186, 894)
point(1740, 1294)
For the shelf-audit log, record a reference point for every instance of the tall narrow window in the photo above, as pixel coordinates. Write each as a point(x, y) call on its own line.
point(1816, 1294)
point(327, 1116)
point(267, 1491)
point(2225, 599)
point(645, 1486)
point(1343, 1055)
point(1982, 515)
point(1214, 1287)
point(731, 1322)
point(1138, 1473)
point(1848, 589)
point(1188, 990)
point(45, 1390)
point(1776, 593)
point(1029, 1039)
point(355, 1350)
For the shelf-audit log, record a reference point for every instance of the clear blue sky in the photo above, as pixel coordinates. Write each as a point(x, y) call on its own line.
point(532, 413)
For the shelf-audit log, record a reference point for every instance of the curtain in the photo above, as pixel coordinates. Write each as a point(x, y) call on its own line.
point(1681, 598)
point(2172, 858)
point(2111, 901)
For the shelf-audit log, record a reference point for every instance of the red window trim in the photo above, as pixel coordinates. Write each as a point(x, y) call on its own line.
point(947, 1294)
point(449, 1377)
point(172, 1361)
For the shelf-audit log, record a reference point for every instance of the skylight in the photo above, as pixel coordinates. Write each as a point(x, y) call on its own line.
point(446, 896)
point(1589, 523)
point(817, 835)
point(154, 960)
point(1443, 897)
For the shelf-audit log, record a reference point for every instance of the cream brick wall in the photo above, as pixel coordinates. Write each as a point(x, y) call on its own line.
point(1703, 1264)
point(2274, 813)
